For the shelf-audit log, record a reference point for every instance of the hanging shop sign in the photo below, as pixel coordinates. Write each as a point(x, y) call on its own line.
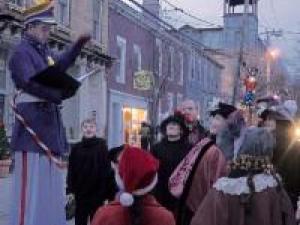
point(143, 80)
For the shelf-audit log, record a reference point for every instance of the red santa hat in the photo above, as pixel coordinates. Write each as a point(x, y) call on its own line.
point(137, 174)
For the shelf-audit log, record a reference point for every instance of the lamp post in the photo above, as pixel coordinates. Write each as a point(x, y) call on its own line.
point(272, 54)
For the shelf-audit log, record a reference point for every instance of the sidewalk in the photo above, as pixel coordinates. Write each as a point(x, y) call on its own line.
point(5, 201)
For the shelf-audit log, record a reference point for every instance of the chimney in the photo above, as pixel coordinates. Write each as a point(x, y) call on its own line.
point(153, 6)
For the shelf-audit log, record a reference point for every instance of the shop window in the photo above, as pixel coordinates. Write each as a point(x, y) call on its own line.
point(132, 119)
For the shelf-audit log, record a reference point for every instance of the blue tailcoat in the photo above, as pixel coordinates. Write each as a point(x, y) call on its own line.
point(29, 58)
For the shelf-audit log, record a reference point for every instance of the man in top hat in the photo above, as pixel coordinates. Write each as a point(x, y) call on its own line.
point(38, 139)
point(280, 120)
point(265, 103)
point(227, 128)
point(170, 151)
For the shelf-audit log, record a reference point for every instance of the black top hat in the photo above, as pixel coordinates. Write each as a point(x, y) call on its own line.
point(6, 17)
point(223, 109)
point(174, 119)
point(53, 77)
point(114, 153)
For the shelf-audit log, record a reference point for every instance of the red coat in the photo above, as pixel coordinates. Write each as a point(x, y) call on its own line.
point(115, 214)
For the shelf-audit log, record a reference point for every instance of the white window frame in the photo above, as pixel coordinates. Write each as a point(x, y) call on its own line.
point(66, 16)
point(199, 109)
point(193, 64)
point(181, 68)
point(197, 68)
point(202, 71)
point(3, 69)
point(97, 35)
point(210, 76)
point(172, 72)
point(160, 58)
point(190, 67)
point(16, 4)
point(205, 74)
point(170, 99)
point(179, 99)
point(138, 51)
point(160, 110)
point(121, 42)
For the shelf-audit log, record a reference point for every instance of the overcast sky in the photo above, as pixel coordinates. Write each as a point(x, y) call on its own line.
point(273, 14)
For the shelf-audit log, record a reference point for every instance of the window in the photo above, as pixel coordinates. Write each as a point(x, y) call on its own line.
point(160, 110)
point(208, 76)
point(2, 72)
point(170, 102)
point(190, 69)
point(181, 68)
point(193, 66)
point(179, 99)
point(159, 58)
point(97, 12)
point(197, 69)
point(202, 71)
point(137, 58)
point(18, 2)
point(199, 108)
point(205, 66)
point(64, 12)
point(171, 63)
point(2, 107)
point(121, 56)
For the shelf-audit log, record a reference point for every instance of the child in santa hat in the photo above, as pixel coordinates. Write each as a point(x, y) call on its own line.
point(136, 176)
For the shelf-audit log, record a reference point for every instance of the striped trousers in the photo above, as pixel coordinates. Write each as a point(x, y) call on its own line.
point(38, 194)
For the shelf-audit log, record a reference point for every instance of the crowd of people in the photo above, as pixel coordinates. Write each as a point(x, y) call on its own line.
point(232, 173)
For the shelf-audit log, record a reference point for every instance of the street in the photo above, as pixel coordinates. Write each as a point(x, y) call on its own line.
point(5, 201)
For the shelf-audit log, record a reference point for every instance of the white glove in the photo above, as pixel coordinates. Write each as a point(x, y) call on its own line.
point(70, 197)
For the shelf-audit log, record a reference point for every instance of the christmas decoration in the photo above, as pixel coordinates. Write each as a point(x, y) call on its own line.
point(250, 86)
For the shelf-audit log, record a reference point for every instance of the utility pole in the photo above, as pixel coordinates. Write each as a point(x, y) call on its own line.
point(241, 54)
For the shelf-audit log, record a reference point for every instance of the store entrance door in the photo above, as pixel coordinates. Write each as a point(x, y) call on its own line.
point(132, 119)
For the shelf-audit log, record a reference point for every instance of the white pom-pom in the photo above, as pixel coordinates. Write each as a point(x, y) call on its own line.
point(126, 199)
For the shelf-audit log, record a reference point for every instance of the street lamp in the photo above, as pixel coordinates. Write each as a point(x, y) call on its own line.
point(272, 54)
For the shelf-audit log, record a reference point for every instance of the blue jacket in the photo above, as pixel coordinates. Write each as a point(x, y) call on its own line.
point(29, 58)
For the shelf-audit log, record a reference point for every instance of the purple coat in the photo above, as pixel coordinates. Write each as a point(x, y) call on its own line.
point(28, 59)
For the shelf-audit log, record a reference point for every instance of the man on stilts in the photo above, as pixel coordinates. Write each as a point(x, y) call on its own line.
point(38, 139)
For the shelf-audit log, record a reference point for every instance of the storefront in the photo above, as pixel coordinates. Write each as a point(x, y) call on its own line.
point(132, 119)
point(126, 114)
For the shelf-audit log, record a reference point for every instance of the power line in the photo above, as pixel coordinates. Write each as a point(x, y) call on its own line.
point(191, 15)
point(274, 11)
point(172, 28)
